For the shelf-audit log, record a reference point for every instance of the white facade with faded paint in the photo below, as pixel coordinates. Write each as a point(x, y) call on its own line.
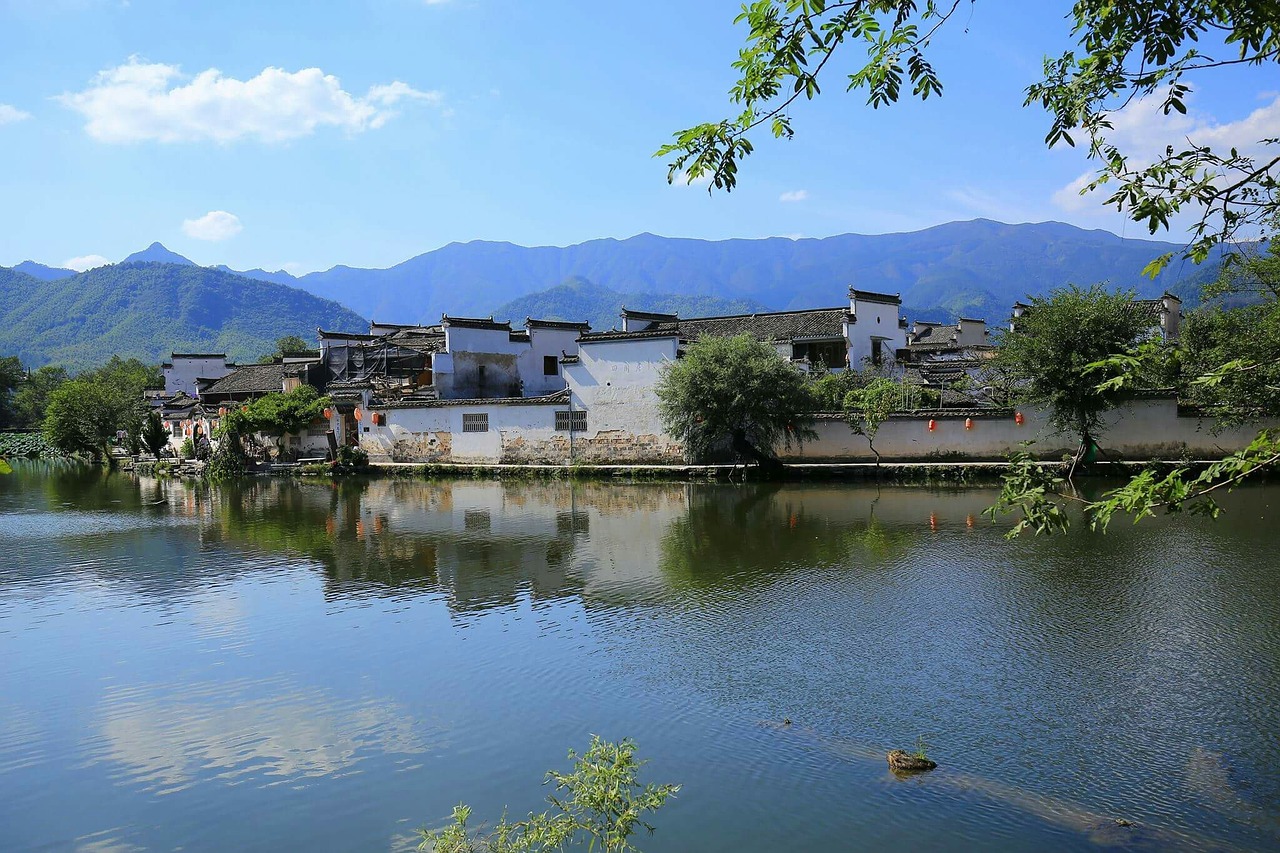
point(183, 369)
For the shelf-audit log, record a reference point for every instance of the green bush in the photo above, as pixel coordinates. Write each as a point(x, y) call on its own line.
point(598, 806)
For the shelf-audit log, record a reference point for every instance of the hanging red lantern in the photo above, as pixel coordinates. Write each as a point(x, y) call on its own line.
point(1019, 419)
point(932, 424)
point(328, 413)
point(968, 423)
point(359, 415)
point(222, 410)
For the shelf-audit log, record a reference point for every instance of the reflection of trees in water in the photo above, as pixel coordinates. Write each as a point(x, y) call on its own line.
point(732, 533)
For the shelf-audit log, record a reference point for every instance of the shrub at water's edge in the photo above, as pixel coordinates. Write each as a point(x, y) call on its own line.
point(601, 803)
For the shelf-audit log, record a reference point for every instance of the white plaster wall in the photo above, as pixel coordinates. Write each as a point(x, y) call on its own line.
point(614, 382)
point(184, 372)
point(873, 320)
point(1141, 429)
point(545, 342)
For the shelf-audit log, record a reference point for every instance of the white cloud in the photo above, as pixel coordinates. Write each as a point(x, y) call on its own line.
point(794, 195)
point(141, 101)
point(1142, 131)
point(85, 262)
point(9, 115)
point(213, 226)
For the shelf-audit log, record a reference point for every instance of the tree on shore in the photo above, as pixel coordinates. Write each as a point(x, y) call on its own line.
point(154, 436)
point(737, 393)
point(866, 408)
point(1050, 353)
point(275, 415)
point(84, 414)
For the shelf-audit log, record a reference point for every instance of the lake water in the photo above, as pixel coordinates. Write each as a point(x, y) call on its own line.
point(309, 666)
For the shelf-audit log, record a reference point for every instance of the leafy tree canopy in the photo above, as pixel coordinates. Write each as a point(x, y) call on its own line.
point(276, 414)
point(737, 392)
point(287, 344)
point(1127, 50)
point(1052, 348)
point(32, 396)
point(84, 414)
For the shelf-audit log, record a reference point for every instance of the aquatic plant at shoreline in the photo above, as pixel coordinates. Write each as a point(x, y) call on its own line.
point(601, 802)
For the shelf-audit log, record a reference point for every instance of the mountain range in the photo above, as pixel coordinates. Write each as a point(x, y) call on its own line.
point(149, 309)
point(974, 269)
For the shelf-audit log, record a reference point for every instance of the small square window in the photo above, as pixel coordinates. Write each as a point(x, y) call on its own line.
point(577, 419)
point(475, 422)
point(550, 365)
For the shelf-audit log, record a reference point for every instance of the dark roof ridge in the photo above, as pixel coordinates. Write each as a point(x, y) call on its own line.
point(763, 314)
point(173, 355)
point(351, 336)
point(556, 324)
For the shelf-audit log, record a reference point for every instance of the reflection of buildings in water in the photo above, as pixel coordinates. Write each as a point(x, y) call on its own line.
point(170, 737)
point(489, 543)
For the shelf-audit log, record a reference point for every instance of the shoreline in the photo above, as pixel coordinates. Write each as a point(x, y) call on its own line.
point(904, 472)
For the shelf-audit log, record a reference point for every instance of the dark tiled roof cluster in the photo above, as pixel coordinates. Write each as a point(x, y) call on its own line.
point(616, 335)
point(777, 326)
point(556, 399)
point(249, 379)
point(198, 355)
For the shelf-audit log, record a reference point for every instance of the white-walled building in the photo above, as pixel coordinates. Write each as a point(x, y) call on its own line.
point(183, 370)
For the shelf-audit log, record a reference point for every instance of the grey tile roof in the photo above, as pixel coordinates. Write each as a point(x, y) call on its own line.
point(533, 323)
point(476, 323)
point(776, 326)
point(556, 399)
point(250, 379)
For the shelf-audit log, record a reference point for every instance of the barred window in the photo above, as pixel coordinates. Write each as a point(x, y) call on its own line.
point(578, 419)
point(475, 422)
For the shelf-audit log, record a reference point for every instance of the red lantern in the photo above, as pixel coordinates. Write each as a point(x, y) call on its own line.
point(968, 423)
point(222, 410)
point(244, 408)
point(1018, 419)
point(328, 413)
point(359, 415)
point(932, 424)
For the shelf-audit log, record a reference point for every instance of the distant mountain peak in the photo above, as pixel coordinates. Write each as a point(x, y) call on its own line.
point(157, 253)
point(43, 271)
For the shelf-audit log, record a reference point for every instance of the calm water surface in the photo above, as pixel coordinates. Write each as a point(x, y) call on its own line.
point(298, 665)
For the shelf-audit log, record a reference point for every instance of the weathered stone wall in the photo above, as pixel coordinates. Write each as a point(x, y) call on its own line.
point(607, 447)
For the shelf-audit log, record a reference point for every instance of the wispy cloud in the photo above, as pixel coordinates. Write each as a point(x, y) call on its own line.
point(85, 262)
point(794, 195)
point(1142, 131)
point(141, 101)
point(213, 226)
point(10, 115)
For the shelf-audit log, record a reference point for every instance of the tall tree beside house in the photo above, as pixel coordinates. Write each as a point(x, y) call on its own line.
point(1050, 352)
point(275, 415)
point(289, 343)
point(866, 408)
point(154, 436)
point(735, 393)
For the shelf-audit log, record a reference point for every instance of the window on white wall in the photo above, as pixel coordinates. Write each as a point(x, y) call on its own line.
point(575, 420)
point(550, 365)
point(475, 422)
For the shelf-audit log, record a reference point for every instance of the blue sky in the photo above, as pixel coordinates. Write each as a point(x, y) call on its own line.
point(433, 121)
